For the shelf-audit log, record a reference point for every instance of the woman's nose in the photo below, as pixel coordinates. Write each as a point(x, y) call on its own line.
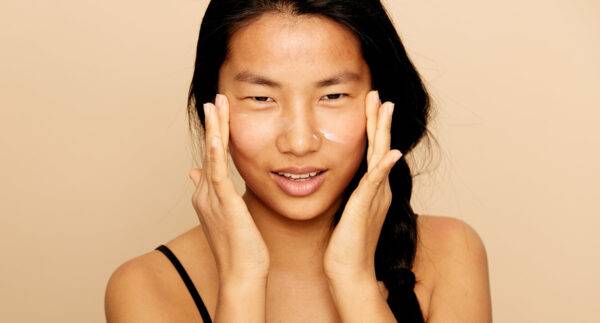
point(299, 134)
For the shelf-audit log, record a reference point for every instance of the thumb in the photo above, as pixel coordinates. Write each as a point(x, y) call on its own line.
point(195, 175)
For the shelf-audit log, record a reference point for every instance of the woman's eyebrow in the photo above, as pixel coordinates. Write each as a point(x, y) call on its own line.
point(249, 77)
point(343, 77)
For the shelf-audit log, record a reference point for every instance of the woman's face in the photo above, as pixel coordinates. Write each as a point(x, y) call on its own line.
point(296, 88)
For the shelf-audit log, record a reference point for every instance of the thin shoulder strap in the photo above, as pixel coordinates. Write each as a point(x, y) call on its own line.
point(188, 282)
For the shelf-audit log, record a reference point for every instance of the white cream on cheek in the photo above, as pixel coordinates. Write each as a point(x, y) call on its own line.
point(334, 136)
point(329, 135)
point(342, 127)
point(255, 129)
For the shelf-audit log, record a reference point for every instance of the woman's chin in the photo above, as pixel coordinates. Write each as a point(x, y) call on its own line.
point(314, 210)
point(314, 207)
point(300, 215)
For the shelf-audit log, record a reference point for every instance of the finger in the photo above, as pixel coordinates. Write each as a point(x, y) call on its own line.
point(218, 177)
point(208, 134)
point(381, 171)
point(222, 104)
point(218, 170)
point(213, 140)
point(382, 134)
point(370, 184)
point(372, 104)
point(195, 175)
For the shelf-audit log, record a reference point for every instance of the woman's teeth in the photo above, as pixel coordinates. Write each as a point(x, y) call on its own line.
point(299, 176)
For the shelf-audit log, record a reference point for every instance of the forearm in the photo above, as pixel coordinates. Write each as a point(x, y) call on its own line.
point(242, 301)
point(360, 301)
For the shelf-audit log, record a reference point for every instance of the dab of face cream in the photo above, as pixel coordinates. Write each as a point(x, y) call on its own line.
point(330, 136)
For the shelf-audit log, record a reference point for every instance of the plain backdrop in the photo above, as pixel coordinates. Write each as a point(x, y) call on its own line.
point(95, 153)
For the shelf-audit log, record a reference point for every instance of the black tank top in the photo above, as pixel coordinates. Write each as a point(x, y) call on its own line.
point(188, 282)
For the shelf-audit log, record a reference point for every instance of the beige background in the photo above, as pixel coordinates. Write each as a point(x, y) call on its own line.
point(95, 152)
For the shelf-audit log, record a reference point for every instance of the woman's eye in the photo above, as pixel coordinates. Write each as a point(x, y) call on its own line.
point(335, 96)
point(261, 98)
point(330, 97)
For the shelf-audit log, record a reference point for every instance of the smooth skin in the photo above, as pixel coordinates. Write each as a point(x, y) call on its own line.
point(253, 258)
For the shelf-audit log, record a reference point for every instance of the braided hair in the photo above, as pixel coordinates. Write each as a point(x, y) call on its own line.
point(396, 79)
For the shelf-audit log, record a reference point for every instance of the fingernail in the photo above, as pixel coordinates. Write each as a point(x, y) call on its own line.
point(398, 155)
point(391, 109)
point(376, 97)
point(205, 107)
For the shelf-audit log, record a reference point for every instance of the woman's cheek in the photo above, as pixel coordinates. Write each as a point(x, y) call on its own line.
point(250, 132)
point(344, 128)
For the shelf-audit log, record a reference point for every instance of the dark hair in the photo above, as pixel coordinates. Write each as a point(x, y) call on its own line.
point(393, 75)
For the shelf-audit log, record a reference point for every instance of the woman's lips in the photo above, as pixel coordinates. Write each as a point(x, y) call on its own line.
point(298, 188)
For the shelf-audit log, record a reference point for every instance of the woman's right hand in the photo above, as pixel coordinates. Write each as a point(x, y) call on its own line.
point(236, 243)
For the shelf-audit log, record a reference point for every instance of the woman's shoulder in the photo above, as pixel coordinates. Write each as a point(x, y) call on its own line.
point(446, 243)
point(147, 287)
point(452, 257)
point(443, 234)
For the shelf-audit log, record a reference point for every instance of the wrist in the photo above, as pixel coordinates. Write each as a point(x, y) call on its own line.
point(241, 283)
point(363, 277)
point(362, 282)
point(231, 276)
point(360, 300)
point(241, 300)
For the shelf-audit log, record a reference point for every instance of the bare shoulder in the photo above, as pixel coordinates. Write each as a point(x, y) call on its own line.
point(147, 288)
point(443, 234)
point(133, 292)
point(456, 261)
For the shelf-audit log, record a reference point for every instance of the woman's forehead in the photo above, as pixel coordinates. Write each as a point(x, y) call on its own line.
point(276, 41)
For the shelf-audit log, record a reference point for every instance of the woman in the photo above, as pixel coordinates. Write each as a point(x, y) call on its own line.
point(324, 231)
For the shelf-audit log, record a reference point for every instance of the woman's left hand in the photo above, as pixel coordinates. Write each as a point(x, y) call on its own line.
point(350, 254)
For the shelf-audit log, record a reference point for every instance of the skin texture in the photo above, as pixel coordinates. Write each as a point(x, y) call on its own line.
point(274, 127)
point(289, 129)
point(282, 128)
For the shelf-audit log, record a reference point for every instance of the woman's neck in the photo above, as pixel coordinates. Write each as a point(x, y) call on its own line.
point(295, 247)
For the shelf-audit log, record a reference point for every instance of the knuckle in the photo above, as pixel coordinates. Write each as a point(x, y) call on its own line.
point(379, 170)
point(363, 182)
point(196, 196)
point(217, 179)
point(212, 156)
point(387, 196)
point(213, 153)
point(388, 192)
point(387, 205)
point(211, 208)
point(373, 180)
point(197, 203)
